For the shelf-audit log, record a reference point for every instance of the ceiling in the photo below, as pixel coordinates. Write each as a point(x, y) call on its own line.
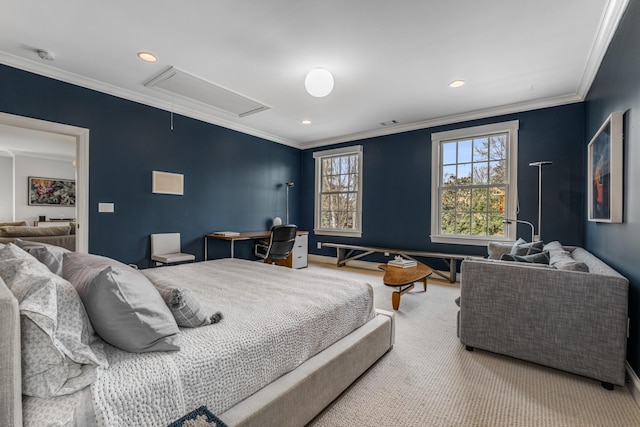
point(17, 141)
point(390, 60)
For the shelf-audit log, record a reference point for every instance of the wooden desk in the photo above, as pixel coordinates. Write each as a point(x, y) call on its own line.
point(248, 235)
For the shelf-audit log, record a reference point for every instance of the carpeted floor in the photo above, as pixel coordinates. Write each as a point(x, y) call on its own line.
point(429, 379)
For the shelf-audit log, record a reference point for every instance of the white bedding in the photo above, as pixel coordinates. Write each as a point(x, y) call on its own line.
point(275, 318)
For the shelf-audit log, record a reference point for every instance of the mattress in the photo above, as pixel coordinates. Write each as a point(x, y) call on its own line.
point(275, 318)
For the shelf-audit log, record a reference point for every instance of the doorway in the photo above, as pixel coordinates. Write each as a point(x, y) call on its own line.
point(81, 136)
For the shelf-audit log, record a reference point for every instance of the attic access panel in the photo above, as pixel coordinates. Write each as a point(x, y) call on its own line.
point(176, 82)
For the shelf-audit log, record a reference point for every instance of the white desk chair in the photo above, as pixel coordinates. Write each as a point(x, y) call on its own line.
point(165, 249)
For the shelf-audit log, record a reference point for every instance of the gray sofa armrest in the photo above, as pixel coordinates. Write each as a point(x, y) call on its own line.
point(10, 359)
point(569, 320)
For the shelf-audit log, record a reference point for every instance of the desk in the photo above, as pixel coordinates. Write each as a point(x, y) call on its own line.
point(258, 235)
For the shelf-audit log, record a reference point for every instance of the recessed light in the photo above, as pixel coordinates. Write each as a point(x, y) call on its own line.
point(306, 122)
point(147, 56)
point(457, 83)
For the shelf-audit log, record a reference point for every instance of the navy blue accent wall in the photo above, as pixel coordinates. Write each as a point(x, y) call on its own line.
point(617, 88)
point(232, 181)
point(397, 183)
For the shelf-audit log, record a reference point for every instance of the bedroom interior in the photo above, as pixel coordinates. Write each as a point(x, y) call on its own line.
point(236, 176)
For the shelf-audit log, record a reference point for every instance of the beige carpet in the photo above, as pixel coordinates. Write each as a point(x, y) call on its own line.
point(429, 379)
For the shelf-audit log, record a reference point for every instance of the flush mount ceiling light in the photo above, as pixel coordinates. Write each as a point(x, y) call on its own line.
point(457, 83)
point(306, 122)
point(147, 56)
point(319, 82)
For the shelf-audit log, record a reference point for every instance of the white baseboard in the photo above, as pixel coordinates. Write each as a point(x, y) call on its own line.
point(633, 384)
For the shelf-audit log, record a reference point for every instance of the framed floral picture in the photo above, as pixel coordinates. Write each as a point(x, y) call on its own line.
point(51, 192)
point(605, 172)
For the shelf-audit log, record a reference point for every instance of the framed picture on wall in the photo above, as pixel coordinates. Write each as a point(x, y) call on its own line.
point(51, 192)
point(167, 183)
point(605, 172)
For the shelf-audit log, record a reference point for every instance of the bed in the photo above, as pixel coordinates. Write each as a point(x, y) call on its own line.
point(288, 344)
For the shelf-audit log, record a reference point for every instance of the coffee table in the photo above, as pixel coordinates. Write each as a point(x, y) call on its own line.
point(403, 279)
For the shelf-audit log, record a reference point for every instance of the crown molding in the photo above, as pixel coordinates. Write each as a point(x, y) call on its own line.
point(446, 120)
point(75, 79)
point(609, 22)
point(611, 17)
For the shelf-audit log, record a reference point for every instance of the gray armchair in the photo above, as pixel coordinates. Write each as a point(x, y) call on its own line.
point(570, 320)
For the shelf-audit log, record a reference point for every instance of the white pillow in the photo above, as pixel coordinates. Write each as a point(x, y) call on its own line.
point(60, 352)
point(49, 255)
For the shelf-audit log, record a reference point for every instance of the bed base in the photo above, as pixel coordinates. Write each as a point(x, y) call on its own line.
point(297, 397)
point(292, 400)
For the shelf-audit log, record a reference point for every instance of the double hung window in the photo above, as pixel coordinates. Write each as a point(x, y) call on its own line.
point(474, 184)
point(338, 205)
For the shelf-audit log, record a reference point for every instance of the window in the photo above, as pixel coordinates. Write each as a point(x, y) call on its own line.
point(474, 184)
point(339, 192)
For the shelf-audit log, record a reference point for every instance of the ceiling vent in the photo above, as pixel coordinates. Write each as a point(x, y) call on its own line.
point(176, 82)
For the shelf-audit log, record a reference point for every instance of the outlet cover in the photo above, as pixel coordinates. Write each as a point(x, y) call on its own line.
point(106, 207)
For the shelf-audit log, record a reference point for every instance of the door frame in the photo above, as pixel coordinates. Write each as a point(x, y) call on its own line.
point(81, 136)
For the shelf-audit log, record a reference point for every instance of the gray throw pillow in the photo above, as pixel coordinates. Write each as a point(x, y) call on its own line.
point(539, 258)
point(564, 261)
point(521, 247)
point(49, 255)
point(186, 308)
point(125, 309)
point(497, 249)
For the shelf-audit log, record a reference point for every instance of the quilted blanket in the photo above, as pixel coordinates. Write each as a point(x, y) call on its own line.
point(275, 318)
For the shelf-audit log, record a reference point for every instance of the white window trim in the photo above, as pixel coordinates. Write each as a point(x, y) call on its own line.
point(318, 156)
point(512, 166)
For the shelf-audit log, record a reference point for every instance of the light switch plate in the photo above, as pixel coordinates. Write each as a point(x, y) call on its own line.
point(106, 207)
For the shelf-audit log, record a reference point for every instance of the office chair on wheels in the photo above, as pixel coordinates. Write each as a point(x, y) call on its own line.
point(279, 245)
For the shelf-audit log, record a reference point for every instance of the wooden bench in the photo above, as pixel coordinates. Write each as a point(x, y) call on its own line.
point(347, 253)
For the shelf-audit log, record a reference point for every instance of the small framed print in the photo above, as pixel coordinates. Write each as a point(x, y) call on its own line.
point(168, 183)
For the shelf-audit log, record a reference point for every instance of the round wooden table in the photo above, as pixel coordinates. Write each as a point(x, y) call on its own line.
point(403, 278)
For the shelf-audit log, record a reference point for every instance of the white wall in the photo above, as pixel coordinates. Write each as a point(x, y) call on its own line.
point(44, 168)
point(6, 189)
